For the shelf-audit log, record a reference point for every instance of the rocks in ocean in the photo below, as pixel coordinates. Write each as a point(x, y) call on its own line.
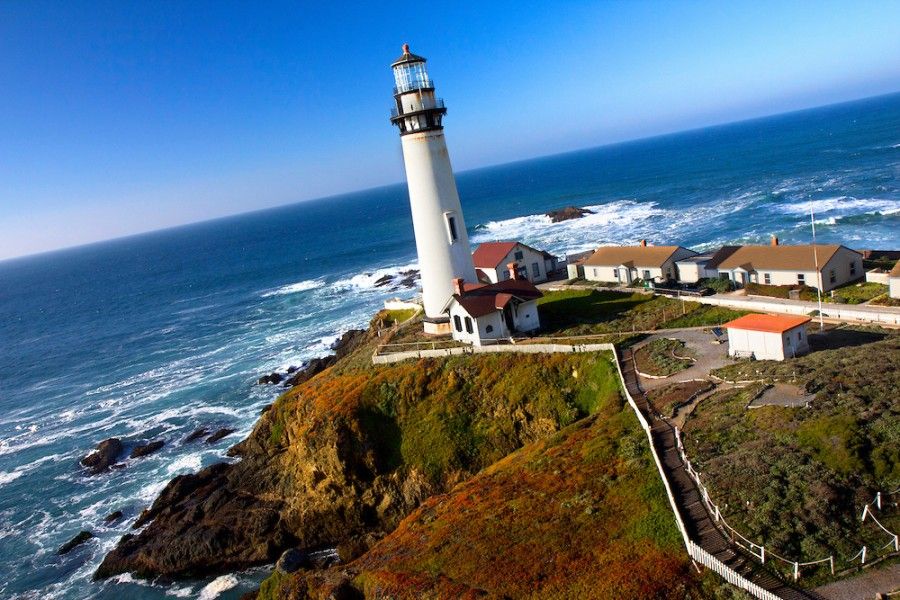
point(273, 378)
point(293, 560)
point(146, 449)
point(568, 213)
point(266, 409)
point(291, 369)
point(218, 435)
point(113, 517)
point(76, 541)
point(342, 347)
point(101, 459)
point(384, 280)
point(408, 278)
point(196, 435)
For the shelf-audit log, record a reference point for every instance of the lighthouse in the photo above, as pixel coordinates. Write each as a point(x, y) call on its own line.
point(442, 243)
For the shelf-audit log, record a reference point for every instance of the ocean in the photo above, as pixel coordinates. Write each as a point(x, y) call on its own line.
point(153, 336)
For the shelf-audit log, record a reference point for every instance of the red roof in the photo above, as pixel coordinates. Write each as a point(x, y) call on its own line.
point(482, 300)
point(488, 255)
point(767, 323)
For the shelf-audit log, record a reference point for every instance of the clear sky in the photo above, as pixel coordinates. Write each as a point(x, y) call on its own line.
point(120, 117)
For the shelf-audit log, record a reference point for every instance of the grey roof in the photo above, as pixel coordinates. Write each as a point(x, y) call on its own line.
point(407, 57)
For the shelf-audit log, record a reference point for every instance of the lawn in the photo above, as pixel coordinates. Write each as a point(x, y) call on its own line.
point(587, 312)
point(857, 293)
point(663, 357)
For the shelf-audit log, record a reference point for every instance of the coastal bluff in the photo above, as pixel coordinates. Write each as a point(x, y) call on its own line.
point(342, 458)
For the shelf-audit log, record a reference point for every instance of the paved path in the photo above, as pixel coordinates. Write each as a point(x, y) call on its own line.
point(708, 355)
point(700, 525)
point(864, 586)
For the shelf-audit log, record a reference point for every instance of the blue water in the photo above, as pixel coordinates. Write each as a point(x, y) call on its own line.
point(153, 336)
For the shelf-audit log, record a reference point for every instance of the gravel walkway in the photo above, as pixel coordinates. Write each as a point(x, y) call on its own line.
point(864, 586)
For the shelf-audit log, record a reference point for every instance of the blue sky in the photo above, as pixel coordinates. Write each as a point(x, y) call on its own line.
point(121, 117)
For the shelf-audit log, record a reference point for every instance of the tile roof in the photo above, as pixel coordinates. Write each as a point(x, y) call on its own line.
point(488, 255)
point(778, 258)
point(767, 323)
point(485, 299)
point(639, 256)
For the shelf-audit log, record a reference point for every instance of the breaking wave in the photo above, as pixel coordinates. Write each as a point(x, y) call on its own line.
point(293, 288)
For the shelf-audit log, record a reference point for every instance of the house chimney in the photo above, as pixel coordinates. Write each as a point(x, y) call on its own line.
point(643, 243)
point(458, 288)
point(513, 270)
point(774, 240)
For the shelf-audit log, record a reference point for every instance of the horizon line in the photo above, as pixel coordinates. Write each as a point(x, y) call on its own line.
point(276, 207)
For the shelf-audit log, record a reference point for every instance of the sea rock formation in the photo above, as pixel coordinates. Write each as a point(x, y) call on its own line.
point(146, 449)
point(76, 541)
point(219, 434)
point(113, 517)
point(568, 213)
point(106, 454)
point(196, 435)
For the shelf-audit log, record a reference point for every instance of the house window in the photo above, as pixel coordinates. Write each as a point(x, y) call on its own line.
point(489, 329)
point(616, 274)
point(457, 322)
point(535, 270)
point(801, 279)
point(468, 325)
point(518, 255)
point(831, 276)
point(646, 275)
point(451, 227)
point(799, 335)
point(596, 272)
point(767, 278)
point(853, 268)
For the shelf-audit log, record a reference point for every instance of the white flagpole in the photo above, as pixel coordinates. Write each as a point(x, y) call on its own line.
point(812, 220)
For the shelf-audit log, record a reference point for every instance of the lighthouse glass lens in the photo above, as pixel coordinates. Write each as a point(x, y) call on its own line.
point(410, 76)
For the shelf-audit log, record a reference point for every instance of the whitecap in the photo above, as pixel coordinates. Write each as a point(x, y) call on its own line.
point(368, 281)
point(293, 288)
point(217, 586)
point(844, 205)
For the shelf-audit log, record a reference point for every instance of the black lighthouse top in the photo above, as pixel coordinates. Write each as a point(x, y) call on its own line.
point(407, 57)
point(417, 109)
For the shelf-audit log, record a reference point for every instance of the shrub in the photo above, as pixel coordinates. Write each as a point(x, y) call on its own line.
point(717, 284)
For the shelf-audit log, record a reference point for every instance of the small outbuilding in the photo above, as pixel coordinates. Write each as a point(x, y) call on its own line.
point(480, 312)
point(767, 337)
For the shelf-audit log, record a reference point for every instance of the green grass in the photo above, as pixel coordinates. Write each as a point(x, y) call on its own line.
point(856, 293)
point(591, 312)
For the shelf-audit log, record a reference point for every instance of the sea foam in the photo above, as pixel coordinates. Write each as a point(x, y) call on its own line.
point(293, 288)
point(217, 586)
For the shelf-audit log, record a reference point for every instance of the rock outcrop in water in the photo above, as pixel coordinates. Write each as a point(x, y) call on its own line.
point(107, 453)
point(568, 213)
point(76, 541)
point(142, 450)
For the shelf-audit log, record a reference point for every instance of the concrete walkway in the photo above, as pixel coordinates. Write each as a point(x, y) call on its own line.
point(858, 313)
point(864, 586)
point(708, 355)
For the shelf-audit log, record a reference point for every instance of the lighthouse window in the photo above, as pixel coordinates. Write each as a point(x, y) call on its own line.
point(451, 228)
point(468, 325)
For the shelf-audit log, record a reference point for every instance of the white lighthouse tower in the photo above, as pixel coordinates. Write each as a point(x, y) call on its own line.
point(441, 239)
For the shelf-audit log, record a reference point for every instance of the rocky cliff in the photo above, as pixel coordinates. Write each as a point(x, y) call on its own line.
point(347, 454)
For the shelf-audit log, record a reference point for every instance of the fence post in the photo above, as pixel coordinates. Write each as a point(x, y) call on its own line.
point(865, 510)
point(719, 517)
point(831, 560)
point(896, 543)
point(762, 554)
point(878, 500)
point(796, 571)
point(863, 556)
